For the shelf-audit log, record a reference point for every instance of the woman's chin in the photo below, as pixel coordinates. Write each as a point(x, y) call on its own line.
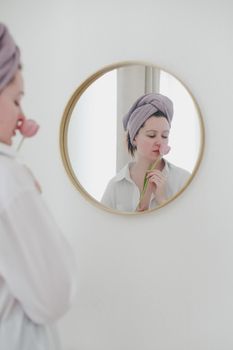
point(154, 156)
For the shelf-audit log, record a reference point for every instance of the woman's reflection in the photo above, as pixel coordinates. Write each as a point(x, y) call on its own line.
point(148, 180)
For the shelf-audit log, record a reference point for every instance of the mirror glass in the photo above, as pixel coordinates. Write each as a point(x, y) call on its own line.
point(94, 143)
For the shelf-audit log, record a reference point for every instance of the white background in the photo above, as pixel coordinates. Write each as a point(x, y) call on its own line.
point(162, 280)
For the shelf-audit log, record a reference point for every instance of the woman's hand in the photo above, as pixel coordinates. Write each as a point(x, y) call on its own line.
point(157, 180)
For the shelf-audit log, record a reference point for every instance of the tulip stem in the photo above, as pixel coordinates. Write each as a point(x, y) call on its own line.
point(20, 143)
point(146, 180)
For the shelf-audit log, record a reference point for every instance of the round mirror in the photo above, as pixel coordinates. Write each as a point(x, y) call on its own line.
point(147, 162)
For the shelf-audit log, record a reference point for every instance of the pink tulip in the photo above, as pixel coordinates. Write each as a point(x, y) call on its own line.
point(28, 128)
point(164, 149)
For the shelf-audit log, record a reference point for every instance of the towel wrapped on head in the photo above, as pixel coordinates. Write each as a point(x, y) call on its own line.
point(9, 57)
point(143, 108)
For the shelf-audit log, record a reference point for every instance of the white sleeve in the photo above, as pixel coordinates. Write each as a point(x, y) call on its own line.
point(35, 260)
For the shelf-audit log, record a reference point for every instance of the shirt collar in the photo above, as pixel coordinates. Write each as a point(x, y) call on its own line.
point(8, 151)
point(166, 167)
point(124, 173)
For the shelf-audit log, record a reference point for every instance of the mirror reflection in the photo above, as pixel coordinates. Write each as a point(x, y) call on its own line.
point(132, 137)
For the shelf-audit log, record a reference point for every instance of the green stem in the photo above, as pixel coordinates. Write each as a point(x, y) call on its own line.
point(146, 180)
point(20, 144)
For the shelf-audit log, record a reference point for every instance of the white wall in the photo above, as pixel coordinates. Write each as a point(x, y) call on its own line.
point(157, 281)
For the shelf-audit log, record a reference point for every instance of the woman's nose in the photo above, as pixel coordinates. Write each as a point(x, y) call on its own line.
point(158, 141)
point(21, 117)
point(21, 110)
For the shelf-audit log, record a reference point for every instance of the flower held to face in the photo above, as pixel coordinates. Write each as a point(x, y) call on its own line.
point(163, 150)
point(28, 127)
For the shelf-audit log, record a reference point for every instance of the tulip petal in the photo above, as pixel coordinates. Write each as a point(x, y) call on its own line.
point(28, 128)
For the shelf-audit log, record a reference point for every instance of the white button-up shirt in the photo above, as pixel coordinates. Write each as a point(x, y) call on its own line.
point(37, 269)
point(123, 194)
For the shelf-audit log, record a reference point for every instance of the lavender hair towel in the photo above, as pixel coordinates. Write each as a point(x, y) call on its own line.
point(9, 57)
point(143, 108)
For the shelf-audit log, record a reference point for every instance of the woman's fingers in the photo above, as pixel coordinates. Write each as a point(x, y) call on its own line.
point(158, 180)
point(156, 174)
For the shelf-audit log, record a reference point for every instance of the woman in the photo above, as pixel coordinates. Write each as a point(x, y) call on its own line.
point(37, 272)
point(148, 125)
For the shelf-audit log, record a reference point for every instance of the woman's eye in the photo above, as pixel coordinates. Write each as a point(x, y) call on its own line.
point(151, 136)
point(165, 137)
point(16, 103)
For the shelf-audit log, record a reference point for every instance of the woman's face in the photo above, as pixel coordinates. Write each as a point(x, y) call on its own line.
point(10, 109)
point(151, 136)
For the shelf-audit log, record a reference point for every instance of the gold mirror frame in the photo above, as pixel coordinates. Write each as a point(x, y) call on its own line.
point(65, 125)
